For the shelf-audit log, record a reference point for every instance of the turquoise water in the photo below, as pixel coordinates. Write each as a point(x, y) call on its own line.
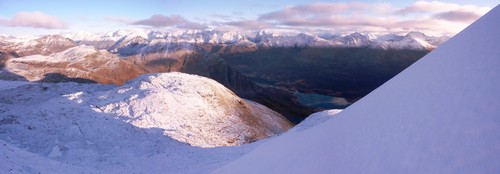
point(321, 101)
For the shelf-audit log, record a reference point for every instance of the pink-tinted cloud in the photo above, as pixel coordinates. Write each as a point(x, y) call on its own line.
point(425, 16)
point(458, 16)
point(330, 15)
point(161, 21)
point(169, 21)
point(249, 24)
point(35, 20)
point(437, 6)
point(326, 9)
point(192, 25)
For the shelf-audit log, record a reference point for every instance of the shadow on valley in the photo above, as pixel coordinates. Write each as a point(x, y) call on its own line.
point(350, 73)
point(281, 101)
point(7, 75)
point(59, 78)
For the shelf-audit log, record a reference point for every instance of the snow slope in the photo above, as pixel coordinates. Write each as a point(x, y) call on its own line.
point(84, 62)
point(93, 128)
point(441, 115)
point(73, 54)
point(43, 45)
point(190, 109)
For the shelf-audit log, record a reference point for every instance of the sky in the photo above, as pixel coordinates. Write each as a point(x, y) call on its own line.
point(35, 17)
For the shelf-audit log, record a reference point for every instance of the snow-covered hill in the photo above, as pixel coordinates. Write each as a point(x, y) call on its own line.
point(190, 109)
point(441, 115)
point(70, 127)
point(43, 45)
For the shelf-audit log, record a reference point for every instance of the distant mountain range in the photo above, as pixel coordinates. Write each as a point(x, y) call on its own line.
point(150, 41)
point(117, 39)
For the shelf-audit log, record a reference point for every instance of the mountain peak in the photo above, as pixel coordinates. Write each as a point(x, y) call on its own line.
point(416, 34)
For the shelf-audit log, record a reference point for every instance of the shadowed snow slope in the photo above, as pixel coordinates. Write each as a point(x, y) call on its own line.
point(441, 115)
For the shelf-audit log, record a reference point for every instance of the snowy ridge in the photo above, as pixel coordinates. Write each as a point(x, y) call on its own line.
point(440, 115)
point(191, 109)
point(315, 119)
point(43, 45)
point(413, 40)
point(74, 54)
point(79, 61)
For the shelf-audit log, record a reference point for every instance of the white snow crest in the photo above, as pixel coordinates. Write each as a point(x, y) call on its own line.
point(189, 108)
point(73, 54)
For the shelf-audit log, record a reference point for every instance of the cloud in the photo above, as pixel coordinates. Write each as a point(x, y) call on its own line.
point(322, 9)
point(458, 16)
point(426, 16)
point(161, 21)
point(249, 24)
point(35, 20)
point(169, 21)
point(330, 15)
point(192, 25)
point(437, 6)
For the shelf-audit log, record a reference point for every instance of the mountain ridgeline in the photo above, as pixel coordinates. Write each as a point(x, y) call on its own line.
point(267, 68)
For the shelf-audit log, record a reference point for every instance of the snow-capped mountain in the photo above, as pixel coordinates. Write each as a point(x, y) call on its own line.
point(113, 40)
point(142, 42)
point(413, 40)
point(44, 45)
point(441, 115)
point(83, 62)
point(105, 40)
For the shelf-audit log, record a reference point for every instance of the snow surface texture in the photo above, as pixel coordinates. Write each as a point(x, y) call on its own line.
point(44, 45)
point(79, 61)
point(441, 115)
point(92, 128)
point(74, 54)
point(191, 109)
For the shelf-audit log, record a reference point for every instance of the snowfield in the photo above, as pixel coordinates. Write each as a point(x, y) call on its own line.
point(145, 126)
